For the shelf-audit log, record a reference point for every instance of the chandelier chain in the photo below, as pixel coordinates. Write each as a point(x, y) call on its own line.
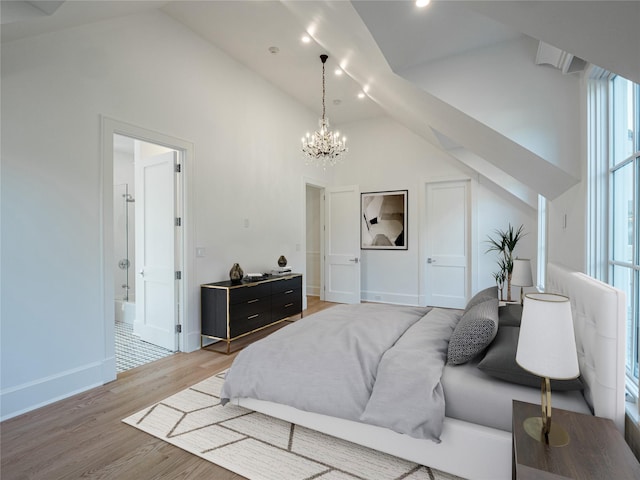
point(323, 92)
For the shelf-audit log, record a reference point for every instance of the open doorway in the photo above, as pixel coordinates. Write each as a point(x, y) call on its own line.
point(314, 244)
point(145, 251)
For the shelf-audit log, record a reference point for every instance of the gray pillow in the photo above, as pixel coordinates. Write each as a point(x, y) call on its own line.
point(510, 315)
point(481, 296)
point(474, 332)
point(500, 362)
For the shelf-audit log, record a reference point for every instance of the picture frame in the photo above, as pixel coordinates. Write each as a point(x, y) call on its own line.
point(383, 217)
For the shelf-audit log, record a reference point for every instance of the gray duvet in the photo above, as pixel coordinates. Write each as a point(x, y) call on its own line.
point(373, 363)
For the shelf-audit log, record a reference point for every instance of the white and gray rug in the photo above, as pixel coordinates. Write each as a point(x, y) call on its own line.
point(260, 447)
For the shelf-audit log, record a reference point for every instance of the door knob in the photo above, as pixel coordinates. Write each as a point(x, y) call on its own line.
point(430, 260)
point(142, 272)
point(354, 260)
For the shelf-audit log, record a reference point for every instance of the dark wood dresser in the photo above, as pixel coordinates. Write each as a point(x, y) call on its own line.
point(230, 311)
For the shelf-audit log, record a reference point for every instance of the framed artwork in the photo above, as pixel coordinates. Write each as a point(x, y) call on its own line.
point(384, 220)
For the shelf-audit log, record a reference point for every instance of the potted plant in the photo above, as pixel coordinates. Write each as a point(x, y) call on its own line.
point(505, 243)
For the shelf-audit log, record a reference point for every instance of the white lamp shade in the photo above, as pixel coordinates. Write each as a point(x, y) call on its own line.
point(521, 273)
point(547, 345)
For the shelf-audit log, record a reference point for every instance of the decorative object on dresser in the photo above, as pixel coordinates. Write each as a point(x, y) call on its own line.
point(232, 310)
point(597, 449)
point(547, 348)
point(521, 275)
point(282, 261)
point(236, 273)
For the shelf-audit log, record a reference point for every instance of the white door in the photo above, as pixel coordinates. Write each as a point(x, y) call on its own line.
point(447, 268)
point(156, 310)
point(342, 244)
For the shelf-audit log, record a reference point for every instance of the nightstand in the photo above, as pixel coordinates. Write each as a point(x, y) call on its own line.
point(596, 449)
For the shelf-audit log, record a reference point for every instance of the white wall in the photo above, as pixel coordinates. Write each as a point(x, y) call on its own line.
point(567, 217)
point(149, 71)
point(501, 86)
point(384, 155)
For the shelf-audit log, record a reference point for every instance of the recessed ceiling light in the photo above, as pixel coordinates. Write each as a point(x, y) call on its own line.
point(337, 101)
point(306, 39)
point(361, 95)
point(274, 50)
point(422, 3)
point(338, 71)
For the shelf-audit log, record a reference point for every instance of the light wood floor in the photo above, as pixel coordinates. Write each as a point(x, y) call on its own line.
point(83, 436)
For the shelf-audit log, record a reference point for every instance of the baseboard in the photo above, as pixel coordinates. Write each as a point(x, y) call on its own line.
point(192, 342)
point(386, 297)
point(313, 290)
point(28, 396)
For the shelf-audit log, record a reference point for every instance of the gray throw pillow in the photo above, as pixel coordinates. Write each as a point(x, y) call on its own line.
point(500, 362)
point(482, 296)
point(510, 315)
point(474, 332)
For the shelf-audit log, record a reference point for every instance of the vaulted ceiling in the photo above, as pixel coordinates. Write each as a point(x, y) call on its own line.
point(375, 43)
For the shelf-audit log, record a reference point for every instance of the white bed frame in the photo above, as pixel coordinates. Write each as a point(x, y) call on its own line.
point(477, 452)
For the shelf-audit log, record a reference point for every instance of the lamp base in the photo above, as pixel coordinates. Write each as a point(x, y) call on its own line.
point(557, 437)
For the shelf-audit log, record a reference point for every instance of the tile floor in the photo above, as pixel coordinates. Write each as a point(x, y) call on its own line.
point(132, 352)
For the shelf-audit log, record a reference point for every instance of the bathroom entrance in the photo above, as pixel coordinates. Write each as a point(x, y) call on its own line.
point(146, 243)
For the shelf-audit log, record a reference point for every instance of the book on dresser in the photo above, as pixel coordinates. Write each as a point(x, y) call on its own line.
point(233, 310)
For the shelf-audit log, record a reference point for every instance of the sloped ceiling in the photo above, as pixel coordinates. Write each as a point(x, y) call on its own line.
point(373, 42)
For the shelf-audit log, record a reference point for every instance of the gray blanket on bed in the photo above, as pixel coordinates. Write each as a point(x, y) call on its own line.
point(373, 363)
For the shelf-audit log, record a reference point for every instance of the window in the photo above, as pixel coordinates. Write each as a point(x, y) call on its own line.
point(623, 259)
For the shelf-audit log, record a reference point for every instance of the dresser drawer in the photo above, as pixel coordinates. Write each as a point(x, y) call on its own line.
point(286, 284)
point(242, 311)
point(248, 293)
point(292, 307)
point(238, 326)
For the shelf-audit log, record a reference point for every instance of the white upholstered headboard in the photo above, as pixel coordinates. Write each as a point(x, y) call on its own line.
point(599, 316)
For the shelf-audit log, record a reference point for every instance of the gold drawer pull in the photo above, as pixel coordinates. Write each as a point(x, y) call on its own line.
point(288, 292)
point(253, 316)
point(288, 305)
point(254, 300)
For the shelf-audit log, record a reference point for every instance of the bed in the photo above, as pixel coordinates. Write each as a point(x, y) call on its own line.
point(470, 440)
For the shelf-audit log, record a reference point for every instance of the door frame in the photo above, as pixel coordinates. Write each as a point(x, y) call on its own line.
point(315, 183)
point(189, 338)
point(423, 253)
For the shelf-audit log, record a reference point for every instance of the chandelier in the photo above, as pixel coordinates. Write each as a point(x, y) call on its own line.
point(323, 147)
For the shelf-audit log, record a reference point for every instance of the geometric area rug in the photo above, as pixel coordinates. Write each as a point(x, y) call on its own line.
point(260, 447)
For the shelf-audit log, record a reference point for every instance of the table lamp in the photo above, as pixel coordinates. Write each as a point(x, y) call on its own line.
point(547, 348)
point(521, 275)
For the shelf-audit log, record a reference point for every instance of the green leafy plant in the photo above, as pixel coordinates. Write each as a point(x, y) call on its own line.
point(505, 243)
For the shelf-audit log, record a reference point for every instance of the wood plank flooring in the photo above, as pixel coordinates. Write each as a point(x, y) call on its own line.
point(83, 436)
